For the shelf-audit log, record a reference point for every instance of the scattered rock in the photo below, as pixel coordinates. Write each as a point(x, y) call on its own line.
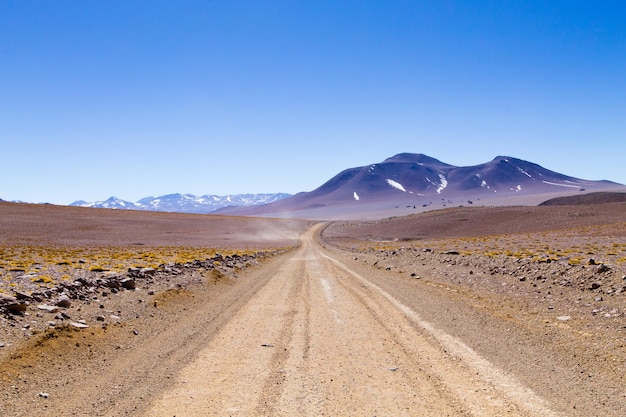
point(23, 296)
point(64, 301)
point(43, 395)
point(451, 252)
point(112, 283)
point(16, 307)
point(602, 268)
point(9, 298)
point(148, 271)
point(595, 285)
point(564, 318)
point(128, 283)
point(48, 308)
point(78, 325)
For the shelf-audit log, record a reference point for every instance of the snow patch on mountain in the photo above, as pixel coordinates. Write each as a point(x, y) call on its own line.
point(443, 184)
point(560, 185)
point(396, 185)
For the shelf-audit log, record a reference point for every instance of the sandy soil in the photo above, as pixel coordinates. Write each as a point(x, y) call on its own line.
point(477, 313)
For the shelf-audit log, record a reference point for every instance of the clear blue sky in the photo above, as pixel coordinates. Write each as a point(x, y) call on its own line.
point(136, 98)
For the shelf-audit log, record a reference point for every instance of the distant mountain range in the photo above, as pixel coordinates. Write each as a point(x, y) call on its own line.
point(419, 181)
point(185, 203)
point(411, 182)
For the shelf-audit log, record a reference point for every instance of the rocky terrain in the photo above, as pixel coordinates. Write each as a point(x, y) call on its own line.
point(82, 300)
point(164, 301)
point(568, 261)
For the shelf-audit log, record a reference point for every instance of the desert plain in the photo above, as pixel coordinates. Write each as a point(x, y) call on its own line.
point(484, 311)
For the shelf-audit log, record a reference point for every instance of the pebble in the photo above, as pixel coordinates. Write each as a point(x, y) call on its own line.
point(44, 395)
point(603, 268)
point(564, 318)
point(78, 325)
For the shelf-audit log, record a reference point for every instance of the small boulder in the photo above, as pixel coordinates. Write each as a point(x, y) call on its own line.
point(112, 282)
point(64, 301)
point(16, 307)
point(147, 271)
point(128, 283)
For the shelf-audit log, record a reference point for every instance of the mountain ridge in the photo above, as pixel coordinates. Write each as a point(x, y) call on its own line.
point(185, 203)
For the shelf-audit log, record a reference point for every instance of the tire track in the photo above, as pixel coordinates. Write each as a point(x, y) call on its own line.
point(321, 340)
point(482, 387)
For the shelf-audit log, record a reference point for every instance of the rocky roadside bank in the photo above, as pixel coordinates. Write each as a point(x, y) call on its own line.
point(589, 290)
point(104, 298)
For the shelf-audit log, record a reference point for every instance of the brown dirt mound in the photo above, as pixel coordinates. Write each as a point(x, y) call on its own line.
point(591, 198)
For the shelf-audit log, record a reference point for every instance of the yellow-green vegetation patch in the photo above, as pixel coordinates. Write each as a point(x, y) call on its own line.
point(41, 266)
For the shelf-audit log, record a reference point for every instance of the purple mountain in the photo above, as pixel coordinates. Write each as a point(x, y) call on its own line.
point(421, 181)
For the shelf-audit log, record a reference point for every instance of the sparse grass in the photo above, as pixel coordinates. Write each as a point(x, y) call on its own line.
point(50, 264)
point(575, 246)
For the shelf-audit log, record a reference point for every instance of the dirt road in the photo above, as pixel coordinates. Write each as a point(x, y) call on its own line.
point(321, 339)
point(315, 331)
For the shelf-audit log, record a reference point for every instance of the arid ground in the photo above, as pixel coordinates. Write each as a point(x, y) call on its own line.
point(516, 311)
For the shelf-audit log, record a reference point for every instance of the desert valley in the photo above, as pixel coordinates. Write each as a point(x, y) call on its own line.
point(405, 288)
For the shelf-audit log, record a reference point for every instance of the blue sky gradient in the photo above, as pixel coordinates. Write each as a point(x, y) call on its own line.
point(139, 98)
